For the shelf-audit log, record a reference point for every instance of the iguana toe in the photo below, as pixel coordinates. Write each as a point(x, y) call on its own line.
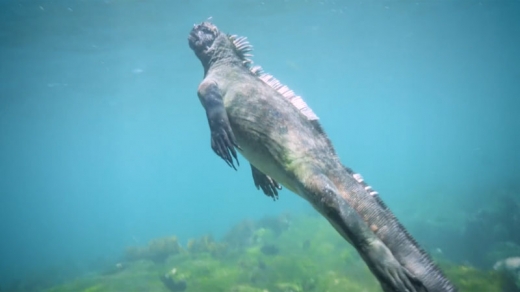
point(224, 146)
point(268, 185)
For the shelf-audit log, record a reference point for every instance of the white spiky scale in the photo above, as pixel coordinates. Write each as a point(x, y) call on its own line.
point(283, 89)
point(264, 78)
point(256, 70)
point(309, 114)
point(289, 94)
point(358, 177)
point(275, 83)
point(298, 102)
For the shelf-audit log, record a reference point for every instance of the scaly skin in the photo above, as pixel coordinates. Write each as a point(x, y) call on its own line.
point(285, 148)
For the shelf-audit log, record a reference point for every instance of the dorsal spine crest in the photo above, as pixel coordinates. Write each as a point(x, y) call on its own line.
point(243, 49)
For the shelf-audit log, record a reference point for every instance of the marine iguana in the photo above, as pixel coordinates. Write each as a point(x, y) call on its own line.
point(251, 112)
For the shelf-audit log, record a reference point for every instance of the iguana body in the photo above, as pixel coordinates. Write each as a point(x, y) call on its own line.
point(280, 136)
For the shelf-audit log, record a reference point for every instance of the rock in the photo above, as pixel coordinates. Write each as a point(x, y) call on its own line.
point(510, 266)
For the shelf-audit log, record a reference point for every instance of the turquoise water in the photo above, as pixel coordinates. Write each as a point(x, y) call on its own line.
point(104, 143)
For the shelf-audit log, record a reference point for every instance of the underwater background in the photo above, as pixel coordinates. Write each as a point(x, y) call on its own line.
point(108, 181)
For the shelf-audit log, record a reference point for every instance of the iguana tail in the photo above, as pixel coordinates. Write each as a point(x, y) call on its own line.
point(391, 232)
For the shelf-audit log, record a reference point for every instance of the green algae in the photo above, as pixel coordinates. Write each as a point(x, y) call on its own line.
point(311, 258)
point(469, 279)
point(157, 250)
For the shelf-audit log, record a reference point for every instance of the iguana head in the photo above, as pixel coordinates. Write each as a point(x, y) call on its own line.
point(212, 46)
point(202, 37)
point(209, 44)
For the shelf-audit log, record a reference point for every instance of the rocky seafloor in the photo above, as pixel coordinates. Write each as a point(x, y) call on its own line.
point(286, 253)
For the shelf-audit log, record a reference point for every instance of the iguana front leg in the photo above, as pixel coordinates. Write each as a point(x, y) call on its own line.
point(268, 185)
point(222, 139)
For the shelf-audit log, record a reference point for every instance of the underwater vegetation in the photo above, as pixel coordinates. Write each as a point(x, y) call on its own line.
point(277, 254)
point(206, 244)
point(496, 229)
point(157, 250)
point(483, 236)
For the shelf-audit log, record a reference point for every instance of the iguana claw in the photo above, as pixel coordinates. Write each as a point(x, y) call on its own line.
point(392, 275)
point(268, 185)
point(223, 143)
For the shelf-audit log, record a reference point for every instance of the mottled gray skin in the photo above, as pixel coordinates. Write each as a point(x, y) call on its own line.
point(285, 148)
